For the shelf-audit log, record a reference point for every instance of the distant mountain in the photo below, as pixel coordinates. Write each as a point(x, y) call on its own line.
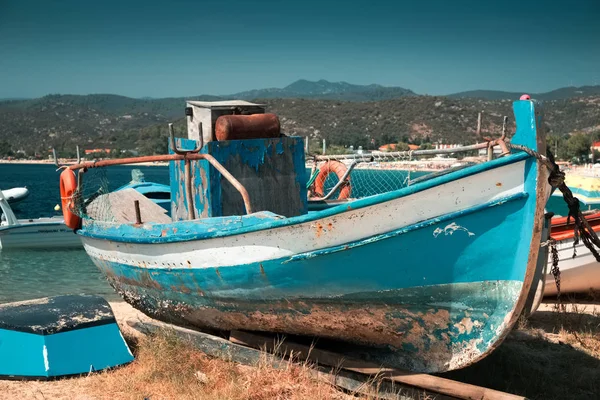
point(118, 122)
point(344, 91)
point(570, 92)
point(325, 90)
point(342, 113)
point(558, 94)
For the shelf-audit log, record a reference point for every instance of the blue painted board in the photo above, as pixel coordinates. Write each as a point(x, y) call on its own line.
point(272, 171)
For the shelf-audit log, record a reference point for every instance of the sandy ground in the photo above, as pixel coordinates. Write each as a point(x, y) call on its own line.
point(545, 322)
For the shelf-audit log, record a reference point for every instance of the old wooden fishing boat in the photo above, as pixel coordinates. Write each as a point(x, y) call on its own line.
point(59, 336)
point(431, 276)
point(158, 193)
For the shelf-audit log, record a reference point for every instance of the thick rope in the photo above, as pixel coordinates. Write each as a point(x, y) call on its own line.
point(582, 229)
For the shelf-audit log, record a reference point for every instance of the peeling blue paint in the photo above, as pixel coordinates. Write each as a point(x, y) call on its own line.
point(259, 154)
point(430, 222)
point(345, 270)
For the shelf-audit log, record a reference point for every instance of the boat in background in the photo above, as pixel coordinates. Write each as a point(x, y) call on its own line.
point(585, 188)
point(579, 274)
point(15, 195)
point(158, 193)
point(41, 233)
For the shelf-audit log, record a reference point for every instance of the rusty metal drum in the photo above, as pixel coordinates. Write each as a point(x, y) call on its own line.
point(255, 126)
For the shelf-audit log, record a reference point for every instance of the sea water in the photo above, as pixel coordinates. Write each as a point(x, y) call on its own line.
point(29, 274)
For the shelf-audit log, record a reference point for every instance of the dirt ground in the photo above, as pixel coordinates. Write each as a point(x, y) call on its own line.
point(555, 354)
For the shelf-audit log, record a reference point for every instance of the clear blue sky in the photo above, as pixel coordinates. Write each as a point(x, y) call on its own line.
point(182, 47)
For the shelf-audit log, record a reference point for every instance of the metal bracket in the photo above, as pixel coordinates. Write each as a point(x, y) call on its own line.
point(58, 165)
point(179, 151)
point(187, 169)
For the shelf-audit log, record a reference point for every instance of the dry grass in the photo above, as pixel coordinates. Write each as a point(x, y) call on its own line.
point(168, 368)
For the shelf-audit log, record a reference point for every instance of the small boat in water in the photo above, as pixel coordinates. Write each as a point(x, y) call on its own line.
point(158, 193)
point(40, 233)
point(15, 195)
point(579, 269)
point(430, 277)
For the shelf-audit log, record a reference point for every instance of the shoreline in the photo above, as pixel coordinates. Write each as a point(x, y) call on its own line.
point(405, 165)
point(72, 162)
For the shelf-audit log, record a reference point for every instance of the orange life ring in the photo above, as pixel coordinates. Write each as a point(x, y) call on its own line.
point(68, 185)
point(337, 168)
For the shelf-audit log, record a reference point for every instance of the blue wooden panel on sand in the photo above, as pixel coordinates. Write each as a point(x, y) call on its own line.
point(59, 336)
point(86, 350)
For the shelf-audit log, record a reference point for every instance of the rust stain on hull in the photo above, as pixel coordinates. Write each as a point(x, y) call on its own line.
point(426, 340)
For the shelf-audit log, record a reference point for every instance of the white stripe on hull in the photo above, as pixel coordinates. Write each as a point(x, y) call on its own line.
point(351, 226)
point(577, 275)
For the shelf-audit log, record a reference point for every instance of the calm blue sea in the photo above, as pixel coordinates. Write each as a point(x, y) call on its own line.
point(31, 274)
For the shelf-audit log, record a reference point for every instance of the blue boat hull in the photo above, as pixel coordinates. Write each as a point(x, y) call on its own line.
point(59, 336)
point(428, 302)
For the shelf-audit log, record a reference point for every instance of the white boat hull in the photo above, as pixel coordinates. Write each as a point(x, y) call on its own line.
point(15, 195)
point(577, 275)
point(46, 233)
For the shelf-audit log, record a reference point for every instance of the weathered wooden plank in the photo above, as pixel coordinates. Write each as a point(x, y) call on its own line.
point(218, 347)
point(179, 206)
point(428, 382)
point(272, 171)
point(119, 207)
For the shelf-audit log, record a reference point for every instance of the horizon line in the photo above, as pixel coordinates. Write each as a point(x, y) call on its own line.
point(281, 88)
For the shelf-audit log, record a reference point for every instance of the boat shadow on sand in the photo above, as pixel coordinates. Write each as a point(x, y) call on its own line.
point(552, 355)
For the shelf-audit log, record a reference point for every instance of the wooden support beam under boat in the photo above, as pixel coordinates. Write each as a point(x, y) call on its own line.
point(427, 382)
point(353, 382)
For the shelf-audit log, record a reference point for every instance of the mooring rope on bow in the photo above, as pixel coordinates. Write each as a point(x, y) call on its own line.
point(582, 229)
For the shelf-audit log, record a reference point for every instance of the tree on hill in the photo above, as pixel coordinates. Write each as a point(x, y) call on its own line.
point(401, 146)
point(5, 149)
point(578, 147)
